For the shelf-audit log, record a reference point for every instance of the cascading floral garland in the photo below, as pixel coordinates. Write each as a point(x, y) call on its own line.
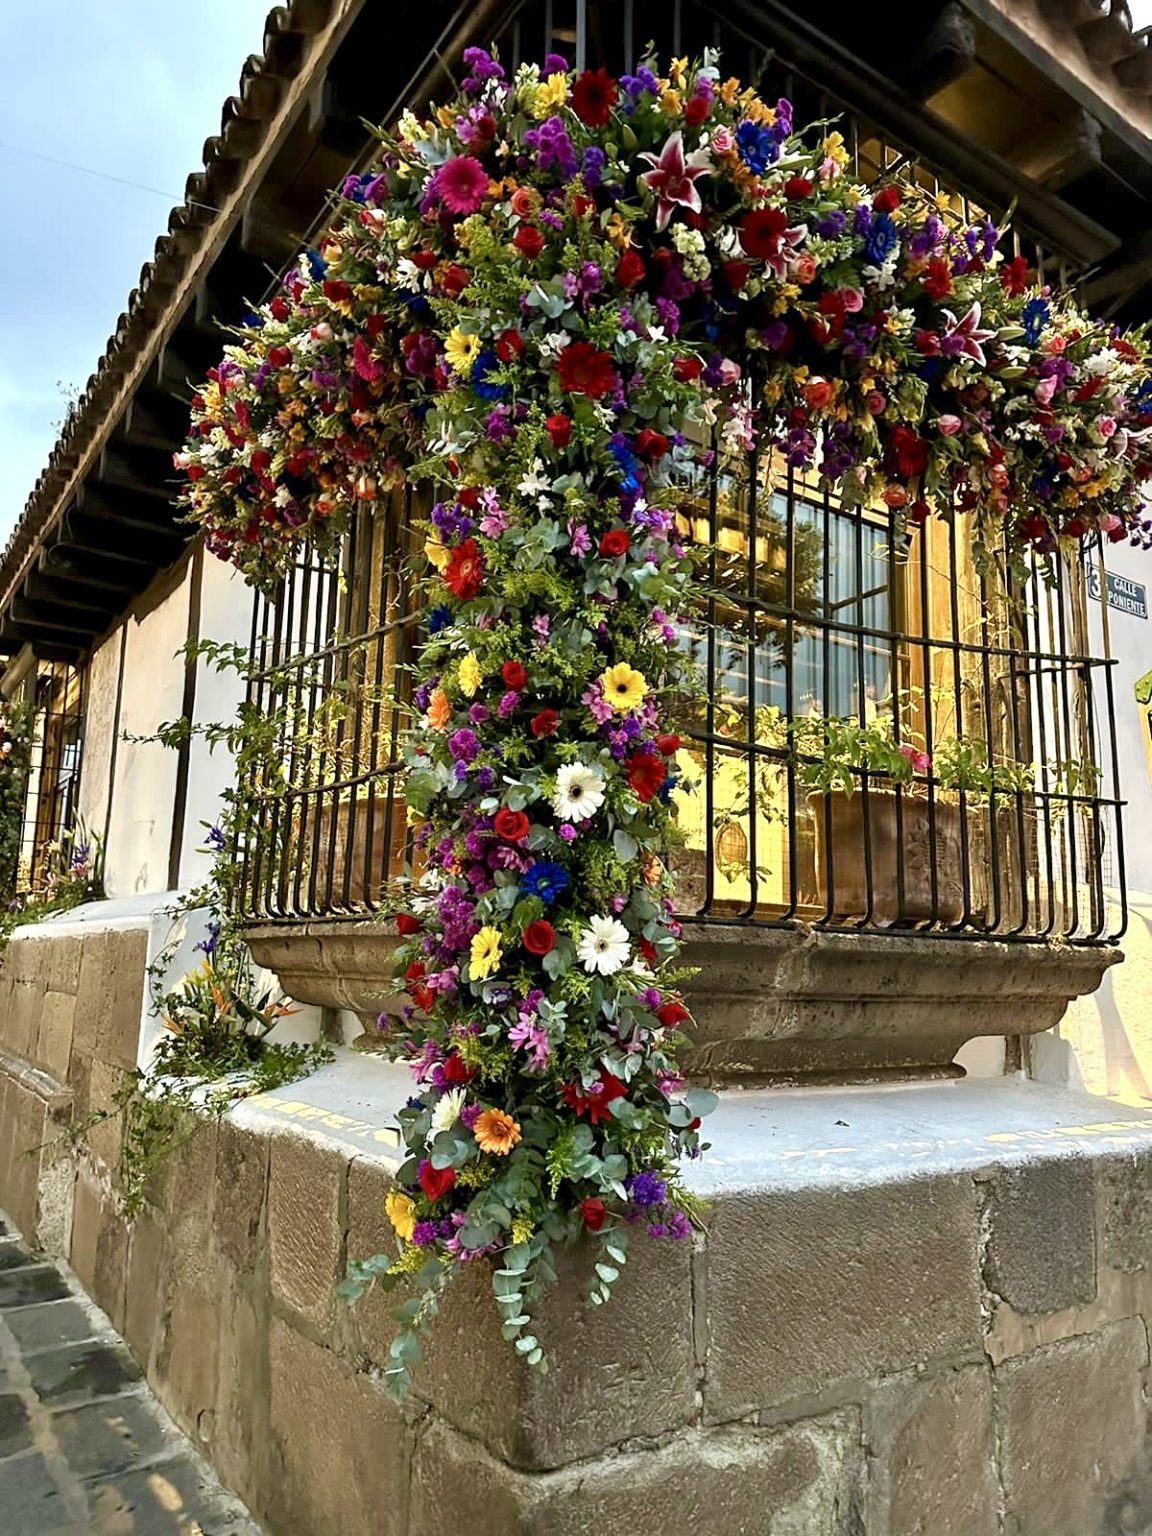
point(547, 301)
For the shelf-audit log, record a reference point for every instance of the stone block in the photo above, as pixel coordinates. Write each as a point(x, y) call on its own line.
point(186, 1361)
point(241, 1183)
point(30, 1130)
point(105, 1139)
point(99, 1252)
point(143, 1307)
point(813, 1286)
point(800, 1480)
point(932, 1455)
point(1041, 1246)
point(338, 1448)
point(1124, 1196)
point(22, 1020)
point(186, 1189)
point(54, 1040)
point(238, 1434)
point(61, 961)
point(122, 998)
point(1071, 1424)
point(91, 989)
point(305, 1227)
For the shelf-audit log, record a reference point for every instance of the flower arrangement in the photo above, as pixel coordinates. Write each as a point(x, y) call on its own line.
point(544, 301)
point(16, 726)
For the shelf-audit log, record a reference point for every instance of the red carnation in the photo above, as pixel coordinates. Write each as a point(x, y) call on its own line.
point(696, 110)
point(279, 308)
point(686, 370)
point(907, 453)
point(650, 444)
point(671, 1013)
point(760, 231)
point(630, 268)
point(937, 280)
point(559, 429)
point(454, 1069)
point(469, 496)
point(797, 188)
point(376, 324)
point(509, 346)
point(593, 97)
point(595, 1104)
point(545, 723)
point(539, 937)
point(647, 951)
point(887, 200)
point(668, 745)
point(1016, 276)
point(465, 570)
point(646, 772)
point(436, 1182)
point(510, 825)
point(454, 280)
point(406, 924)
point(594, 1212)
point(261, 460)
point(514, 675)
point(614, 543)
point(528, 241)
point(736, 274)
point(584, 370)
point(338, 292)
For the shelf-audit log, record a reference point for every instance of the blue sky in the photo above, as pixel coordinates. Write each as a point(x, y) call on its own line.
point(131, 89)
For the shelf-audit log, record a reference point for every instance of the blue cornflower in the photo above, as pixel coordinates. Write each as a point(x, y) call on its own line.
point(316, 265)
point(439, 619)
point(757, 146)
point(482, 369)
point(1034, 318)
point(881, 239)
point(253, 321)
point(545, 880)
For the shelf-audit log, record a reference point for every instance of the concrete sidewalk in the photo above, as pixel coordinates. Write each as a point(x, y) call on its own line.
point(84, 1445)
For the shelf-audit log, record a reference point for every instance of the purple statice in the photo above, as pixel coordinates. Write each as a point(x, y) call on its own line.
point(553, 148)
point(497, 427)
point(464, 745)
point(926, 239)
point(507, 705)
point(635, 86)
point(424, 1234)
point(458, 919)
point(583, 284)
point(840, 450)
point(675, 1224)
point(452, 524)
point(645, 1189)
point(668, 315)
point(592, 165)
point(661, 621)
point(774, 336)
point(831, 226)
point(423, 693)
point(485, 779)
point(798, 447)
point(469, 1115)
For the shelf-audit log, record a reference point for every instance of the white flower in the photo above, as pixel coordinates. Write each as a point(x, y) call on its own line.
point(535, 480)
point(551, 346)
point(447, 1111)
point(579, 792)
point(604, 946)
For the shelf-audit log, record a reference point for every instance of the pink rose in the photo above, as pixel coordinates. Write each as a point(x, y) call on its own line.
point(875, 401)
point(920, 761)
point(1044, 391)
point(1106, 426)
point(852, 300)
point(722, 141)
point(948, 425)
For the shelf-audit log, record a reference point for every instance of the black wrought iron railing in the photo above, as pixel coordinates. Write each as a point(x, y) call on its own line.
point(54, 692)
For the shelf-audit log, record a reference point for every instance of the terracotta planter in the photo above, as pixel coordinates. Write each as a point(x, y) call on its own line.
point(352, 859)
point(912, 844)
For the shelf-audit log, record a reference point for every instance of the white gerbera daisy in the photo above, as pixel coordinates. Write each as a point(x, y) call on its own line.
point(604, 946)
point(447, 1111)
point(579, 792)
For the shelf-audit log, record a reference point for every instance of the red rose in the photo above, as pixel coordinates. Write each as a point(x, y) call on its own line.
point(424, 261)
point(668, 746)
point(650, 444)
point(465, 570)
point(528, 241)
point(509, 346)
point(796, 188)
point(593, 97)
point(454, 1069)
point(630, 268)
point(514, 675)
point(686, 370)
point(436, 1182)
point(671, 1013)
point(559, 429)
point(736, 274)
point(584, 370)
point(614, 543)
point(454, 280)
point(279, 308)
point(539, 937)
point(696, 110)
point(337, 291)
point(646, 772)
point(510, 825)
point(887, 200)
point(594, 1212)
point(545, 723)
point(406, 924)
point(760, 231)
point(279, 357)
point(376, 324)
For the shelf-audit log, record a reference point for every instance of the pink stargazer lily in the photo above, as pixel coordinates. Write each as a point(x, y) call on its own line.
point(966, 336)
point(673, 178)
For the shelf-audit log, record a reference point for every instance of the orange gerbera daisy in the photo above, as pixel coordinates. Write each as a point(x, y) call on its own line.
point(439, 709)
point(496, 1132)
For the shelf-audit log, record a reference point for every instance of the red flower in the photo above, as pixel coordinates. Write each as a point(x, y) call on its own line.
point(559, 429)
point(614, 543)
point(1016, 276)
point(668, 745)
point(337, 291)
point(760, 231)
point(686, 370)
point(539, 937)
point(594, 1212)
point(436, 1182)
point(406, 924)
point(736, 274)
point(593, 97)
point(465, 570)
point(454, 280)
point(696, 110)
point(424, 261)
point(584, 370)
point(671, 1013)
point(647, 951)
point(528, 241)
point(510, 825)
point(650, 444)
point(594, 1105)
point(906, 453)
point(937, 280)
point(509, 346)
point(279, 308)
point(279, 357)
point(796, 188)
point(454, 1069)
point(421, 994)
point(646, 772)
point(514, 675)
point(545, 723)
point(630, 268)
point(887, 200)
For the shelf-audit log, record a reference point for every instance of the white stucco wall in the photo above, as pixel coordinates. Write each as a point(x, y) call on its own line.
point(99, 733)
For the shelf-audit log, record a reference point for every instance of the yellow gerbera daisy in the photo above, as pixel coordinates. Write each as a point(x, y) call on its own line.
point(485, 955)
point(401, 1212)
point(436, 553)
point(469, 676)
point(461, 350)
point(624, 687)
point(550, 93)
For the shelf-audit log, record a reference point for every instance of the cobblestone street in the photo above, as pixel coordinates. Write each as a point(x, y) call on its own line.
point(84, 1446)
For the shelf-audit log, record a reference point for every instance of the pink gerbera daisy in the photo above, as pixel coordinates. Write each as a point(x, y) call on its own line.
point(462, 183)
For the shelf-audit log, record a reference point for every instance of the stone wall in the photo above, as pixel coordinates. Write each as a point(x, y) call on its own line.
point(905, 1316)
